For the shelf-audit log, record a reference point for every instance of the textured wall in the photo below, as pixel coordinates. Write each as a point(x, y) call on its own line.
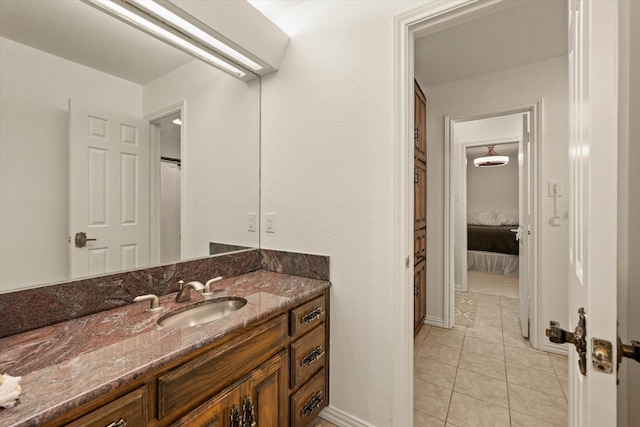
point(327, 174)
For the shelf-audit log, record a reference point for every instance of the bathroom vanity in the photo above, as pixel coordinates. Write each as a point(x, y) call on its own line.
point(265, 364)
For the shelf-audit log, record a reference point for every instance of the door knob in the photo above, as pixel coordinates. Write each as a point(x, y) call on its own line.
point(81, 239)
point(578, 338)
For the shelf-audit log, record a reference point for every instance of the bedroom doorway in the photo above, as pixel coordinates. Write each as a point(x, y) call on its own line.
point(492, 212)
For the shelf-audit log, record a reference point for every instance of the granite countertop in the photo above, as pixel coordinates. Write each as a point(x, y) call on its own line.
point(68, 364)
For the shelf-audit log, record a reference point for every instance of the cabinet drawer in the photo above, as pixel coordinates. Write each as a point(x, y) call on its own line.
point(307, 402)
point(130, 408)
point(199, 379)
point(307, 355)
point(307, 316)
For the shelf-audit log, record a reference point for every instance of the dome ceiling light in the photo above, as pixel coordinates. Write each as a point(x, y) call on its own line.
point(491, 159)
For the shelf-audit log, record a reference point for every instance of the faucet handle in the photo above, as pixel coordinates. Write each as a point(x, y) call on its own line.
point(207, 286)
point(155, 302)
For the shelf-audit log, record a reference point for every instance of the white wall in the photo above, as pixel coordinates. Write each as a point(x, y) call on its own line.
point(327, 174)
point(546, 81)
point(221, 157)
point(493, 189)
point(35, 88)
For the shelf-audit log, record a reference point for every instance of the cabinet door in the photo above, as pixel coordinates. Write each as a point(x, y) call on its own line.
point(420, 195)
point(268, 393)
point(218, 411)
point(420, 124)
point(419, 293)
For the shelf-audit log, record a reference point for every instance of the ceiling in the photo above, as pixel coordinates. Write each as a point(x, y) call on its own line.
point(524, 32)
point(80, 33)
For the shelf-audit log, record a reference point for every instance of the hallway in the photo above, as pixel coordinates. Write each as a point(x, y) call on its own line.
point(487, 374)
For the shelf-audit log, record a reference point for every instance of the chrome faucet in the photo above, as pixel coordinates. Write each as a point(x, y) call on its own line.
point(185, 293)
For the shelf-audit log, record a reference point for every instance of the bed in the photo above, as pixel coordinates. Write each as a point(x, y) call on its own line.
point(491, 245)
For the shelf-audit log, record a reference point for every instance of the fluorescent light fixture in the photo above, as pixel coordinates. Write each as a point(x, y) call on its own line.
point(196, 32)
point(168, 36)
point(177, 122)
point(491, 159)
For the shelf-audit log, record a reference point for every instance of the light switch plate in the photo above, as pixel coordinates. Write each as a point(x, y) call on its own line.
point(251, 222)
point(270, 222)
point(555, 188)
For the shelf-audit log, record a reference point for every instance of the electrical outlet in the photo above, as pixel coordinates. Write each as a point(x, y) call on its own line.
point(252, 218)
point(270, 223)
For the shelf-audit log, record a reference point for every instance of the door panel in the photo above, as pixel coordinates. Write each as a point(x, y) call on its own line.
point(593, 201)
point(108, 190)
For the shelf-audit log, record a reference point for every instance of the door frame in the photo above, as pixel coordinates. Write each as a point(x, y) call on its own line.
point(534, 109)
point(154, 139)
point(431, 17)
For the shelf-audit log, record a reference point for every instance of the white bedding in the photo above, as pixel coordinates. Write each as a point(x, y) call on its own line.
point(493, 262)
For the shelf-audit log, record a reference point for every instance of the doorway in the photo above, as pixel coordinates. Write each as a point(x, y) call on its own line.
point(432, 19)
point(167, 210)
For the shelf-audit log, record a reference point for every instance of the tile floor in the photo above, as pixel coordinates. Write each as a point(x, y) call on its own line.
point(487, 374)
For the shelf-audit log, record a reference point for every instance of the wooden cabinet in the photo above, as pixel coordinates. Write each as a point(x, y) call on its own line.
point(308, 361)
point(271, 374)
point(420, 208)
point(130, 409)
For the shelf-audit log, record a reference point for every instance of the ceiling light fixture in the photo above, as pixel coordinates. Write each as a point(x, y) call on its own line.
point(177, 122)
point(145, 23)
point(491, 159)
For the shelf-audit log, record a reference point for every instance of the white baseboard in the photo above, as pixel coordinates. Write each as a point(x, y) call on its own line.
point(562, 349)
point(434, 321)
point(341, 418)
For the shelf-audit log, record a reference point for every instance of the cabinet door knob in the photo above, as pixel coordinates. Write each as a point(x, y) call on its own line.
point(312, 405)
point(312, 315)
point(120, 423)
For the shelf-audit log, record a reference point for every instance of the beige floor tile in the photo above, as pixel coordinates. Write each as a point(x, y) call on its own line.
point(458, 329)
point(480, 364)
point(467, 411)
point(537, 404)
point(531, 358)
point(516, 340)
point(444, 337)
point(534, 379)
point(431, 399)
point(511, 326)
point(435, 372)
point(560, 364)
point(439, 353)
point(485, 333)
point(508, 316)
point(482, 387)
point(422, 420)
point(564, 384)
point(521, 420)
point(486, 348)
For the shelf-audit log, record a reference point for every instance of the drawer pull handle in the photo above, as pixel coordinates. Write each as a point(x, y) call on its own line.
point(312, 357)
point(248, 413)
point(312, 315)
point(234, 417)
point(120, 423)
point(313, 404)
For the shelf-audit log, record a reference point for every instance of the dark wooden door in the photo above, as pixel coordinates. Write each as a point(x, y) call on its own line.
point(420, 209)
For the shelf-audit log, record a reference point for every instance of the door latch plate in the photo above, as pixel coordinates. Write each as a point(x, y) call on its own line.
point(602, 355)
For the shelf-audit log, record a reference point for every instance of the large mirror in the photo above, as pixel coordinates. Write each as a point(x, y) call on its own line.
point(69, 73)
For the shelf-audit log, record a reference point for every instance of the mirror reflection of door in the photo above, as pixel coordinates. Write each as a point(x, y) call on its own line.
point(170, 183)
point(108, 190)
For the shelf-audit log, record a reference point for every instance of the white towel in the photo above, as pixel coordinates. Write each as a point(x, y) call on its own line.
point(9, 390)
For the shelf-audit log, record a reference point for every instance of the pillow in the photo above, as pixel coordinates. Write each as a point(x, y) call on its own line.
point(508, 219)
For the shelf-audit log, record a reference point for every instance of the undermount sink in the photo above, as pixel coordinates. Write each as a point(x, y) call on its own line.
point(203, 313)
